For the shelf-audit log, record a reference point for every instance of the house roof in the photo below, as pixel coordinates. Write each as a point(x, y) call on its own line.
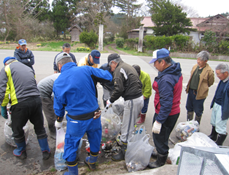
point(74, 27)
point(147, 22)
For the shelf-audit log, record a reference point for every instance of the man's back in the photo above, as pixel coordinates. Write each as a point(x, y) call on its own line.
point(75, 88)
point(21, 81)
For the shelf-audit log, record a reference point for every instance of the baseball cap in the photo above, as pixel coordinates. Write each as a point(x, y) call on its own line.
point(95, 55)
point(61, 56)
point(112, 56)
point(22, 42)
point(8, 58)
point(160, 53)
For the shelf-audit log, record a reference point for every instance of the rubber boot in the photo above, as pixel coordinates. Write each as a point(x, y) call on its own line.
point(213, 134)
point(161, 159)
point(20, 151)
point(190, 116)
point(121, 154)
point(154, 154)
point(72, 170)
point(44, 148)
point(142, 119)
point(220, 139)
point(91, 160)
point(198, 118)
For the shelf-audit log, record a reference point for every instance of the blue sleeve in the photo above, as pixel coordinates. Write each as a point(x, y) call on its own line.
point(166, 99)
point(58, 105)
point(101, 74)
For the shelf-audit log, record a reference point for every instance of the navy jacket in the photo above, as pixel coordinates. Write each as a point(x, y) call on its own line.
point(26, 57)
point(225, 101)
point(168, 87)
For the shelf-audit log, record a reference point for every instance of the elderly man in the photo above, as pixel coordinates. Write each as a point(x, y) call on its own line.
point(146, 91)
point(91, 59)
point(23, 54)
point(128, 85)
point(17, 80)
point(168, 88)
point(74, 92)
point(219, 105)
point(202, 77)
point(45, 87)
point(66, 48)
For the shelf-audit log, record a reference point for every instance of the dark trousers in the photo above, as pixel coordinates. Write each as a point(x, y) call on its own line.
point(145, 107)
point(30, 109)
point(47, 106)
point(161, 139)
point(194, 105)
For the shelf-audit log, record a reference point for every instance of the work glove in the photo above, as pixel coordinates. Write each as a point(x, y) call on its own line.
point(97, 114)
point(156, 127)
point(108, 104)
point(58, 125)
point(4, 112)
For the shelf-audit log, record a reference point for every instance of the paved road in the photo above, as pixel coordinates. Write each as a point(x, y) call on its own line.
point(44, 67)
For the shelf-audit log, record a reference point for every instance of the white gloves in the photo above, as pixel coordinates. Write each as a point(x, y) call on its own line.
point(156, 127)
point(58, 125)
point(108, 104)
point(97, 114)
point(28, 60)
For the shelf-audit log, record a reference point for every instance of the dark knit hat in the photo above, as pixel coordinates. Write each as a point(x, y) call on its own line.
point(137, 68)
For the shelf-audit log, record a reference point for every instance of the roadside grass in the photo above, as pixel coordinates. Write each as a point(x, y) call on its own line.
point(134, 52)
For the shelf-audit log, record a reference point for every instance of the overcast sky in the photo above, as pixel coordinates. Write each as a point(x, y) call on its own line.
point(208, 7)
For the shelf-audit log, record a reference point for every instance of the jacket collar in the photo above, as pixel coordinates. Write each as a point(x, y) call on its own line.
point(67, 66)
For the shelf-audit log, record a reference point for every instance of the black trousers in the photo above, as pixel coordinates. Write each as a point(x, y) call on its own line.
point(161, 139)
point(30, 109)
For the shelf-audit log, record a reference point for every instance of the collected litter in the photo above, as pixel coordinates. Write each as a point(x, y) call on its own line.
point(186, 129)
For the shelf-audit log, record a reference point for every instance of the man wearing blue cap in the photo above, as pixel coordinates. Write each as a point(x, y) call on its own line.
point(168, 88)
point(91, 59)
point(17, 81)
point(23, 54)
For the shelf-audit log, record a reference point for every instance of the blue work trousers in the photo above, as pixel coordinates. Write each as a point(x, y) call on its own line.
point(76, 130)
point(145, 107)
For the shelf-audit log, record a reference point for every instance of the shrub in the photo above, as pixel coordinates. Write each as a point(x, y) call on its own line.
point(120, 42)
point(90, 39)
point(131, 42)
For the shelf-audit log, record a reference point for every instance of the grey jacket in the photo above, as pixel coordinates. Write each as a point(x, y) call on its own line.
point(45, 86)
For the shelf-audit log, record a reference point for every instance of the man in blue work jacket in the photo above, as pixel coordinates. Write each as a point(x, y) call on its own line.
point(75, 92)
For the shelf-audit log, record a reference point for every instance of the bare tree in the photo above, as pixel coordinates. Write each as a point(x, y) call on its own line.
point(188, 10)
point(91, 13)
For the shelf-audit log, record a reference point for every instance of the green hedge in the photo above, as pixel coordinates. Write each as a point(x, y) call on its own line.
point(119, 42)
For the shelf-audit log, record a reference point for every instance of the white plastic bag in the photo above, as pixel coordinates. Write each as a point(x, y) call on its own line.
point(138, 151)
point(118, 106)
point(186, 129)
point(8, 132)
point(58, 157)
point(111, 124)
point(197, 139)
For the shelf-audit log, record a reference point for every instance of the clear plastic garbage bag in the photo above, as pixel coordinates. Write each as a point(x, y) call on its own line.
point(118, 106)
point(197, 139)
point(58, 157)
point(186, 129)
point(111, 124)
point(8, 131)
point(138, 151)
